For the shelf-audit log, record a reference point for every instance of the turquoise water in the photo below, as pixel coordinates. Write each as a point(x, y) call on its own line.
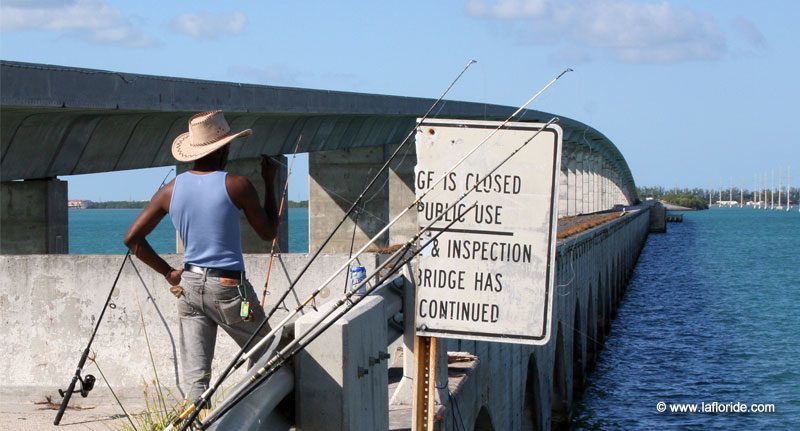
point(711, 314)
point(102, 231)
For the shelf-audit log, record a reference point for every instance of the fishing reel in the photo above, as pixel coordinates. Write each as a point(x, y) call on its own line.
point(87, 384)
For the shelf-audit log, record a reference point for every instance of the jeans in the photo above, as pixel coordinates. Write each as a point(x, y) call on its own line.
point(206, 303)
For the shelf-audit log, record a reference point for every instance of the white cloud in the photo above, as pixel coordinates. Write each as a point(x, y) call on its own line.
point(206, 25)
point(91, 20)
point(509, 8)
point(627, 31)
point(749, 32)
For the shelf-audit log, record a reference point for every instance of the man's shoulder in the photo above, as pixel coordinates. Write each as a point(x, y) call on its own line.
point(238, 187)
point(236, 180)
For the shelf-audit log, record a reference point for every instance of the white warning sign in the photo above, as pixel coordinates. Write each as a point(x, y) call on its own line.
point(490, 273)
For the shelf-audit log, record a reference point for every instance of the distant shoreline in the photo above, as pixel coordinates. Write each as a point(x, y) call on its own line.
point(108, 205)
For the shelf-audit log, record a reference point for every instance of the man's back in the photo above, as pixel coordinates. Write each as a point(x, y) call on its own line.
point(207, 220)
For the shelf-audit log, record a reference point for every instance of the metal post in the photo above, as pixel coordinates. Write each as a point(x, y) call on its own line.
point(424, 409)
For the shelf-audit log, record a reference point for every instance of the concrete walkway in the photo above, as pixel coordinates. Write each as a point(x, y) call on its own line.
point(26, 408)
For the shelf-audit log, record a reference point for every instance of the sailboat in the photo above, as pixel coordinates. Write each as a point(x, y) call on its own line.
point(780, 190)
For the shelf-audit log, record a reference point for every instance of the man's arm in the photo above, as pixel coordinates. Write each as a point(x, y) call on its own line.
point(136, 237)
point(264, 220)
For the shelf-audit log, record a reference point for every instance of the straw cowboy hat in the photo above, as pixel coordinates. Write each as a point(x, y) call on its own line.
point(208, 132)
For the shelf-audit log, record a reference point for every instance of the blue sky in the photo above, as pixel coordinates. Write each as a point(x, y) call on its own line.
point(694, 93)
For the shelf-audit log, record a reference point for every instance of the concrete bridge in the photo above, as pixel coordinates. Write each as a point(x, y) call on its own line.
point(64, 121)
point(60, 121)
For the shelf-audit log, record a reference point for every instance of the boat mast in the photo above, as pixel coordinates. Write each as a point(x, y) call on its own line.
point(730, 193)
point(710, 195)
point(772, 191)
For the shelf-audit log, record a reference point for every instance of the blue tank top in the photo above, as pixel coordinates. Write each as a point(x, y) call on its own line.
point(207, 221)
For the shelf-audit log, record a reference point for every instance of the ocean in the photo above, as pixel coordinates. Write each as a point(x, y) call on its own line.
point(710, 315)
point(101, 231)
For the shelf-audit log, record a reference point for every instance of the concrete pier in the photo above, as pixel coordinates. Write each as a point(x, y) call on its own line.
point(336, 178)
point(33, 217)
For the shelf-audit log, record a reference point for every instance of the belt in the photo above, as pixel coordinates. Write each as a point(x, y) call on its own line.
point(214, 272)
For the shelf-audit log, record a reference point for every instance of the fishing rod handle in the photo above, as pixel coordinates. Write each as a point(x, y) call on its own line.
point(71, 388)
point(67, 396)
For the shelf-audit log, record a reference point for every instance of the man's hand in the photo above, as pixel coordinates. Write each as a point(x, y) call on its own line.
point(269, 169)
point(174, 277)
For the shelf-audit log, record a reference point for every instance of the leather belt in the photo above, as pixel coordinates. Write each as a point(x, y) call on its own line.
point(214, 272)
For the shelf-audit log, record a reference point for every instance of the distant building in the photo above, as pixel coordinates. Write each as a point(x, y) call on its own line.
point(77, 204)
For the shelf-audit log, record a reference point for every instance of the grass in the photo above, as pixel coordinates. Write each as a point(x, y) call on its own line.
point(161, 405)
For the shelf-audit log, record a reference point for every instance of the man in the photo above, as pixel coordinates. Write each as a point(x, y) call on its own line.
point(204, 205)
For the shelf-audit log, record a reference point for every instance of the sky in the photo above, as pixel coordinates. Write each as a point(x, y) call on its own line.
point(694, 93)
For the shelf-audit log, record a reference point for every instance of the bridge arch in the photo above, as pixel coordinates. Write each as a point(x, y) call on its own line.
point(560, 394)
point(484, 420)
point(578, 348)
point(592, 346)
point(532, 404)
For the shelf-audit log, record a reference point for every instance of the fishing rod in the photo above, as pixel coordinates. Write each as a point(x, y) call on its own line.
point(87, 383)
point(242, 358)
point(280, 212)
point(235, 363)
point(369, 185)
point(284, 354)
point(261, 375)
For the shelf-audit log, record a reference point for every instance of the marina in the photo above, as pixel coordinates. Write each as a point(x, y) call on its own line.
point(481, 215)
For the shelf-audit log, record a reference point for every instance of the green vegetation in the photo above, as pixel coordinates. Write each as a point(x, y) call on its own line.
point(698, 195)
point(296, 204)
point(116, 204)
point(687, 201)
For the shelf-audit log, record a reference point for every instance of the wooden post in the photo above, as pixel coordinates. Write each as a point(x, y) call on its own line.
point(424, 408)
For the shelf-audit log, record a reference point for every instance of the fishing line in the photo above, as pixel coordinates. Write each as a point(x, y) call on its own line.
point(203, 398)
point(166, 326)
point(354, 203)
point(241, 357)
point(313, 295)
point(369, 185)
point(379, 190)
point(352, 242)
point(261, 374)
point(572, 278)
point(93, 359)
point(86, 387)
point(280, 213)
point(295, 346)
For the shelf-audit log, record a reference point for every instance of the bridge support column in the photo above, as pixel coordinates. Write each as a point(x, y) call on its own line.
point(401, 193)
point(572, 199)
point(606, 173)
point(251, 168)
point(590, 171)
point(336, 178)
point(580, 184)
point(596, 181)
point(33, 217)
point(563, 189)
